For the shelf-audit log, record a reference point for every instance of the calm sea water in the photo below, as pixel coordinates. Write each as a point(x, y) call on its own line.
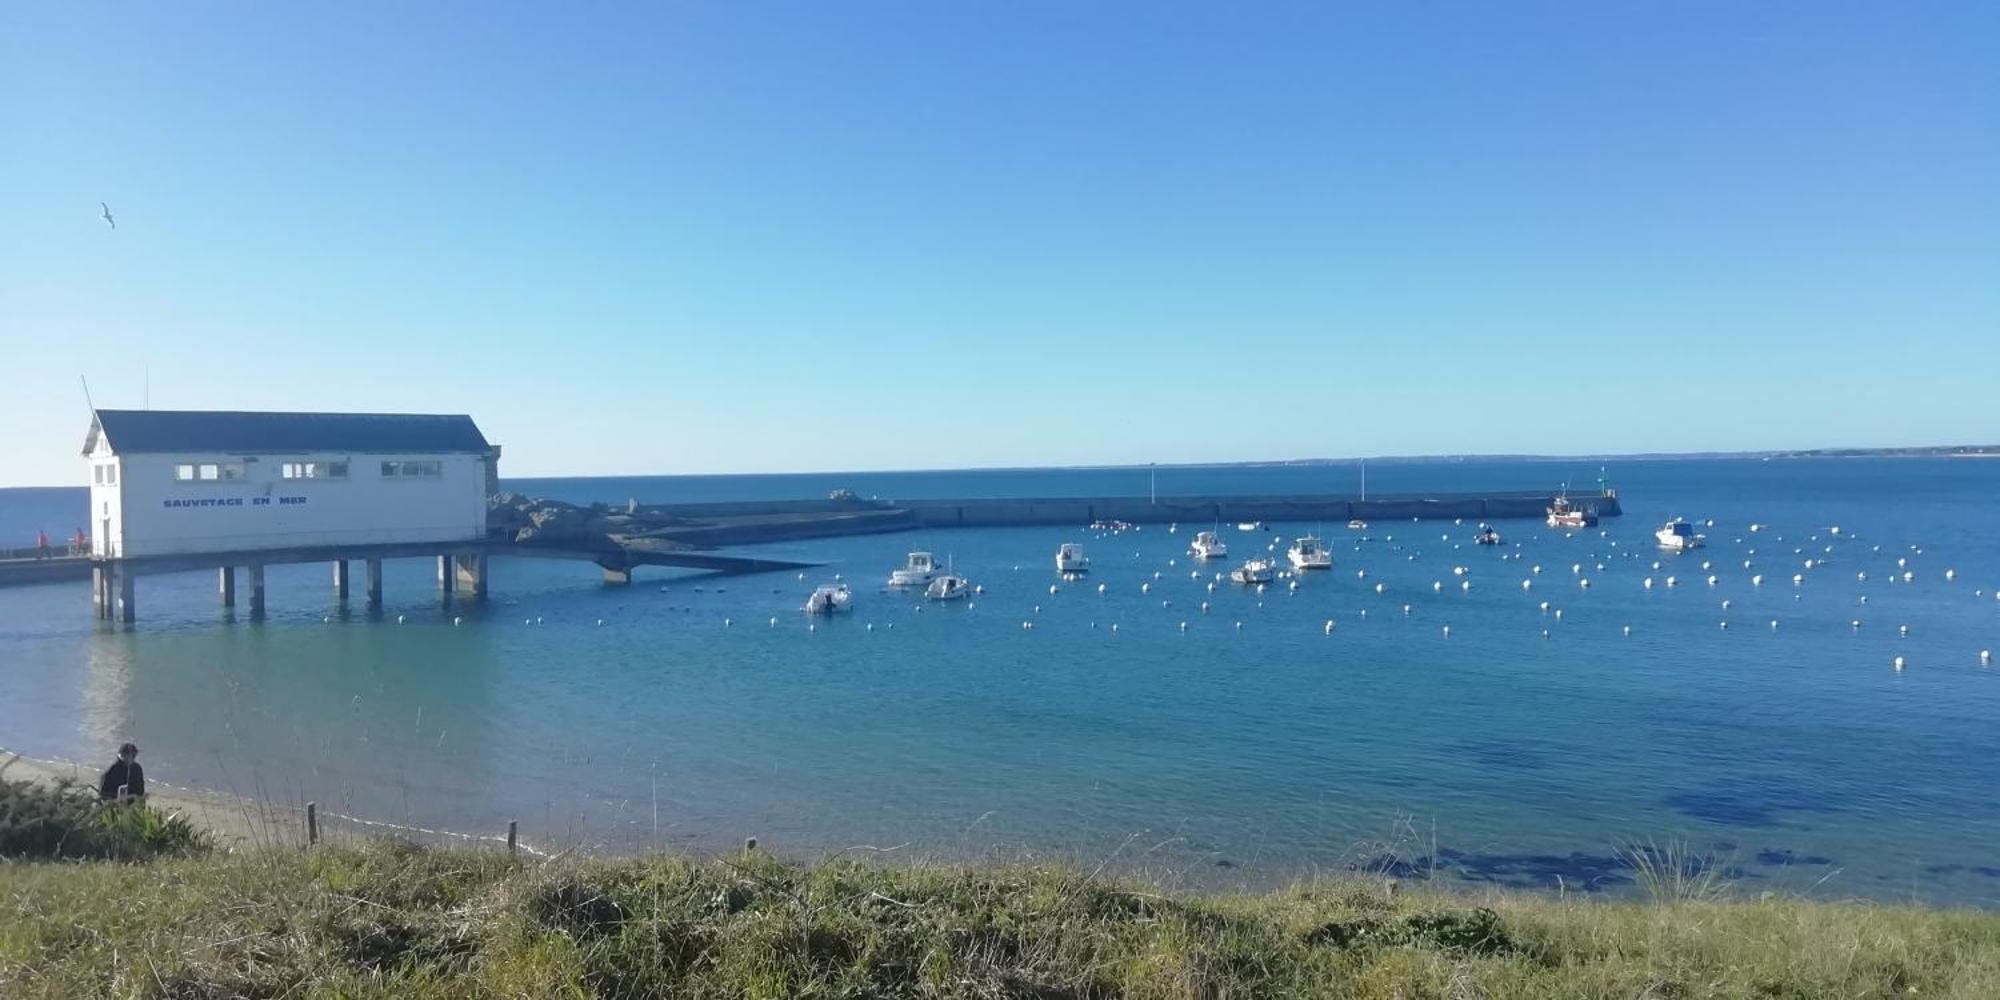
point(1250, 747)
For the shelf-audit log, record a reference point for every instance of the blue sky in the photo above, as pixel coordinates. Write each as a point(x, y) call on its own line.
point(789, 236)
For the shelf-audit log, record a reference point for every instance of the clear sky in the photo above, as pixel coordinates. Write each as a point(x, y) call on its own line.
point(753, 236)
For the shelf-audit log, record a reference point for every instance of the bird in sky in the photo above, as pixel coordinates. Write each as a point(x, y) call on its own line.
point(107, 215)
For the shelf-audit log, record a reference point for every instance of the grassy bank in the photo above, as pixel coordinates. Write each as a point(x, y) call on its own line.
point(388, 921)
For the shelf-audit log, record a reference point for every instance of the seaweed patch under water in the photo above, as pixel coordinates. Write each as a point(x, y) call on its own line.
point(1746, 802)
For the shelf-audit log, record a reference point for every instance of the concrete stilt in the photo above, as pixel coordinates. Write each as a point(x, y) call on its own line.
point(447, 576)
point(256, 590)
point(225, 585)
point(618, 577)
point(340, 580)
point(100, 592)
point(374, 582)
point(472, 568)
point(128, 608)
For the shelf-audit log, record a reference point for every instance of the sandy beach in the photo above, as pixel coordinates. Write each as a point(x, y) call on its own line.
point(236, 822)
point(239, 821)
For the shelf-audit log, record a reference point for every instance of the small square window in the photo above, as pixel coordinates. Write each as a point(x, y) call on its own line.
point(209, 472)
point(184, 473)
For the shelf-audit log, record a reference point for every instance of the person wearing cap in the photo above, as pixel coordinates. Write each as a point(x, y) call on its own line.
point(124, 779)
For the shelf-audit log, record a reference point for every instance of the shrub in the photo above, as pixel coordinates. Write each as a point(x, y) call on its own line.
point(65, 821)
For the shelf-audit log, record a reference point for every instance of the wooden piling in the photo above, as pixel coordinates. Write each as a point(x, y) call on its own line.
point(312, 823)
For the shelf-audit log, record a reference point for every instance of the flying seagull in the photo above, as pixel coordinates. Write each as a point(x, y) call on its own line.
point(107, 215)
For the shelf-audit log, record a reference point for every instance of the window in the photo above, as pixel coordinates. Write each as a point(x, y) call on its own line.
point(314, 470)
point(208, 472)
point(110, 475)
point(184, 473)
point(97, 475)
point(431, 469)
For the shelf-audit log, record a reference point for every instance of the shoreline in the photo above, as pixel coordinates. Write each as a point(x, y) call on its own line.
point(240, 821)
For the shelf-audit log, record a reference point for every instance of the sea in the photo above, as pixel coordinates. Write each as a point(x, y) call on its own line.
point(1801, 706)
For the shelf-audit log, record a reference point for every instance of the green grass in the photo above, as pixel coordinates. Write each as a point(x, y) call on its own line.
point(389, 921)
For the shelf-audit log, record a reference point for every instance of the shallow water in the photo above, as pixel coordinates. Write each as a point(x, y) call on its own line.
point(1221, 754)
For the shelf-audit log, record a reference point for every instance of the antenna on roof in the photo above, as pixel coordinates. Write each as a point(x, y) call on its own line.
point(86, 394)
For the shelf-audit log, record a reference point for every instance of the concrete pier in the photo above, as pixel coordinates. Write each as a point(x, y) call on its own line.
point(463, 569)
point(471, 569)
point(256, 590)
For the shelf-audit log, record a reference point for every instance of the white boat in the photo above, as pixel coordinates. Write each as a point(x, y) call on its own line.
point(1249, 526)
point(829, 599)
point(1563, 514)
point(1071, 560)
point(1309, 553)
point(1358, 524)
point(1678, 536)
point(948, 587)
point(1487, 536)
point(916, 571)
point(1255, 571)
point(1207, 545)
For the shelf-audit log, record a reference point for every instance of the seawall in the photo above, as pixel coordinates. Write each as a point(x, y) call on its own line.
point(1197, 510)
point(751, 522)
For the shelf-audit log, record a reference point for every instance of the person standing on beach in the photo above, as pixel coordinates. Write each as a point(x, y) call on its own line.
point(124, 779)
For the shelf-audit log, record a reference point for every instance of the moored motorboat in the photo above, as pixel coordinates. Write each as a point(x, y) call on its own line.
point(1070, 559)
point(1207, 545)
point(1358, 524)
point(1564, 514)
point(1255, 571)
point(948, 587)
point(1679, 536)
point(916, 571)
point(1487, 536)
point(1309, 553)
point(829, 599)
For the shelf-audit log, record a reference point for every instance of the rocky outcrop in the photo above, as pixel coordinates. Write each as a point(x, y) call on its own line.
point(536, 521)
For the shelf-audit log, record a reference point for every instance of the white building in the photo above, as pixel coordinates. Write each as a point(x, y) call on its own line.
point(180, 482)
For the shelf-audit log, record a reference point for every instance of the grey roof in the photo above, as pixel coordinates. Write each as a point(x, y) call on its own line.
point(138, 431)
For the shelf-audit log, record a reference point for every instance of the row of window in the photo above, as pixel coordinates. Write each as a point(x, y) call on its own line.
point(211, 472)
point(314, 470)
point(104, 475)
point(421, 469)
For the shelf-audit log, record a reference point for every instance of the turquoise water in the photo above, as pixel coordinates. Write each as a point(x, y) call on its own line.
point(1218, 754)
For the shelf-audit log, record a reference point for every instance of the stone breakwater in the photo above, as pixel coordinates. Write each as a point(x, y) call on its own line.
point(669, 527)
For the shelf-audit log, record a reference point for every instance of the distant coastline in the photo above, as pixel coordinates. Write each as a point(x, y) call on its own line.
point(1922, 451)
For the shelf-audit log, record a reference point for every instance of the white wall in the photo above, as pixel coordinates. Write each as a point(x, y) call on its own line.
point(265, 511)
point(105, 502)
